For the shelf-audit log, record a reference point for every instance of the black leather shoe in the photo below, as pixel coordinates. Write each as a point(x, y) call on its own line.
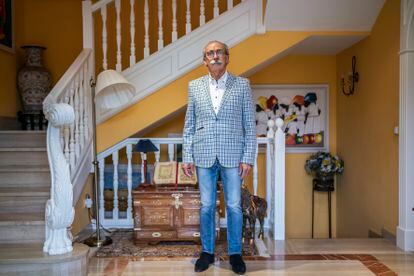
point(203, 262)
point(237, 264)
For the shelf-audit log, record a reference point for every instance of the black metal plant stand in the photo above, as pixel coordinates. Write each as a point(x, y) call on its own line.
point(325, 185)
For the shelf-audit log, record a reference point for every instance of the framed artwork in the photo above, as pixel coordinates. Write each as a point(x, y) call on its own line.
point(304, 110)
point(6, 25)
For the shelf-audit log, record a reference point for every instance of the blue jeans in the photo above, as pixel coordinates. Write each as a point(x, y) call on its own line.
point(207, 178)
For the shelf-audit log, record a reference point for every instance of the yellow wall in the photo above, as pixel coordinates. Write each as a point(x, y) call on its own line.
point(292, 70)
point(9, 100)
point(81, 219)
point(57, 25)
point(368, 190)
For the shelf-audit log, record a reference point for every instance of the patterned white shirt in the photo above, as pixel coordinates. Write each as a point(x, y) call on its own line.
point(217, 89)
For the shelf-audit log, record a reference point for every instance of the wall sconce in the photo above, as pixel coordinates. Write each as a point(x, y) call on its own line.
point(348, 86)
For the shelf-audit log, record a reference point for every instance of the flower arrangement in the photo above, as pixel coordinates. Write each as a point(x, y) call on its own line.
point(324, 165)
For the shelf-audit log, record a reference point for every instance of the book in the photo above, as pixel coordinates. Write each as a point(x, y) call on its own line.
point(172, 173)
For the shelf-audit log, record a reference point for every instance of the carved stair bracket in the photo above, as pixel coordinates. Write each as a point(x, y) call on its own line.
point(59, 210)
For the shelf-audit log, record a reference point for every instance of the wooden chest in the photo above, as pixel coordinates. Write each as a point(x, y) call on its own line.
point(167, 214)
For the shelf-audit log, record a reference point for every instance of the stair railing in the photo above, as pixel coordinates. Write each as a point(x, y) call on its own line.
point(70, 138)
point(119, 171)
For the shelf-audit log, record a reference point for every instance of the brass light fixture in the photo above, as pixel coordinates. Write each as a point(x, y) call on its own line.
point(348, 86)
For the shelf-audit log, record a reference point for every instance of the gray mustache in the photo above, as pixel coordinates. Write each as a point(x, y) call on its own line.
point(218, 62)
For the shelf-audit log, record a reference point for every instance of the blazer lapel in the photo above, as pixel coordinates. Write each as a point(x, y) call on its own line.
point(207, 93)
point(227, 92)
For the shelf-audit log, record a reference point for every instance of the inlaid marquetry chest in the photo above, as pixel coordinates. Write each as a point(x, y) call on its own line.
point(168, 214)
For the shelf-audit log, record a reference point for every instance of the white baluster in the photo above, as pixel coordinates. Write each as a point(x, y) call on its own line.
point(202, 13)
point(188, 18)
point(77, 117)
point(132, 58)
point(143, 158)
point(279, 184)
point(174, 35)
point(101, 189)
point(160, 30)
point(118, 35)
point(229, 4)
point(82, 108)
point(146, 25)
point(269, 166)
point(255, 171)
point(72, 133)
point(104, 39)
point(116, 209)
point(171, 151)
point(129, 181)
point(157, 153)
point(216, 11)
point(66, 132)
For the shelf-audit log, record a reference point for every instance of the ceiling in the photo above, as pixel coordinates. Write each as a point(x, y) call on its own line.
point(322, 15)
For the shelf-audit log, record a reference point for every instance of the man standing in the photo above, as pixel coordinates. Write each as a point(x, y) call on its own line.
point(219, 137)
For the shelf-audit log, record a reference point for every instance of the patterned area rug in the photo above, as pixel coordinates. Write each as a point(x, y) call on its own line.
point(123, 246)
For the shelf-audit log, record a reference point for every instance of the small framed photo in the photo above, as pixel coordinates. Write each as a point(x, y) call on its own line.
point(6, 25)
point(304, 110)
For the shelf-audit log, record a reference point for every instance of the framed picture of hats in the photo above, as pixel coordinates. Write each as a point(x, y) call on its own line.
point(304, 110)
point(6, 25)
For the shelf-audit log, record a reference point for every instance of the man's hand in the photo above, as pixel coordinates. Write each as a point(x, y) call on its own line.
point(188, 169)
point(244, 170)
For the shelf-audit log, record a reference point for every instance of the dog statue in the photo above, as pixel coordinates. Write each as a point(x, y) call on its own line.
point(253, 207)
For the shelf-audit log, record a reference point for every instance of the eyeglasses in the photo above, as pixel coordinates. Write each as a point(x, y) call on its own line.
point(218, 52)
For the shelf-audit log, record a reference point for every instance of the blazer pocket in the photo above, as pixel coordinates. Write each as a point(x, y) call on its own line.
point(200, 128)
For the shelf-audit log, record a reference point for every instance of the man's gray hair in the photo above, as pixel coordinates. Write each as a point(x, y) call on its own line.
point(226, 48)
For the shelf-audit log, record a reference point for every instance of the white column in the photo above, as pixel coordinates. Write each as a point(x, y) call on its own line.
point(202, 13)
point(188, 18)
point(116, 209)
point(216, 10)
point(118, 36)
point(160, 30)
point(269, 167)
point(171, 151)
point(146, 25)
point(157, 153)
point(143, 158)
point(279, 182)
point(104, 39)
point(255, 179)
point(174, 35)
point(101, 190)
point(229, 4)
point(132, 58)
point(405, 229)
point(87, 24)
point(129, 181)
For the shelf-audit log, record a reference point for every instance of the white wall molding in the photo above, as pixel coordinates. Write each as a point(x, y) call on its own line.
point(405, 229)
point(184, 55)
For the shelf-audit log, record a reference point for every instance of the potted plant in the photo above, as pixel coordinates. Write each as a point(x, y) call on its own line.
point(323, 166)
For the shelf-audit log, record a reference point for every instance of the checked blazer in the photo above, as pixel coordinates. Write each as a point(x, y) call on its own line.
point(229, 136)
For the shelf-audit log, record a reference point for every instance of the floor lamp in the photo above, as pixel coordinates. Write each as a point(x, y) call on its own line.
point(111, 90)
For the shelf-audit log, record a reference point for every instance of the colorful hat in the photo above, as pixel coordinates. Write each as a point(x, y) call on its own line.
point(298, 99)
point(311, 97)
point(271, 102)
point(261, 101)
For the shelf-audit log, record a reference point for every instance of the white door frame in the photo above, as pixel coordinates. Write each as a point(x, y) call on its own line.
point(405, 229)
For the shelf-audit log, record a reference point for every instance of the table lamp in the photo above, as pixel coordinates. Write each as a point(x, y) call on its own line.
point(145, 146)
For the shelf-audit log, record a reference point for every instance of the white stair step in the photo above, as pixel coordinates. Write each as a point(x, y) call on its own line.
point(24, 192)
point(22, 228)
point(23, 156)
point(20, 259)
point(21, 138)
point(19, 204)
point(24, 175)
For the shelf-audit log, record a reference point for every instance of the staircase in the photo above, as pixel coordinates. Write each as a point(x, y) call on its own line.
point(24, 186)
point(24, 190)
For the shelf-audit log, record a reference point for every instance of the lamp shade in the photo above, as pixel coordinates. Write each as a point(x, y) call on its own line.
point(145, 145)
point(113, 90)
